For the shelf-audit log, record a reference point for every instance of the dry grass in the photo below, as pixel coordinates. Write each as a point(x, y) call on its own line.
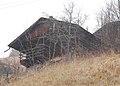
point(96, 71)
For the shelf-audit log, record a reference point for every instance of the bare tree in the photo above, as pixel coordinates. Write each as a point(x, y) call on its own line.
point(119, 7)
point(108, 14)
point(74, 16)
point(69, 10)
point(80, 18)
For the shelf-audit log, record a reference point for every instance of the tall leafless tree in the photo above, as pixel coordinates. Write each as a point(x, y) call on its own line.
point(68, 11)
point(109, 14)
point(81, 18)
point(74, 16)
point(119, 7)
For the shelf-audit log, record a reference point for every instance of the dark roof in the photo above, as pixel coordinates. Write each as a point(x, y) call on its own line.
point(109, 26)
point(110, 34)
point(31, 27)
point(87, 39)
point(38, 22)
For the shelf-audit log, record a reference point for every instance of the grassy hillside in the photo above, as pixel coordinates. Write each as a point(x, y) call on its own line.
point(90, 71)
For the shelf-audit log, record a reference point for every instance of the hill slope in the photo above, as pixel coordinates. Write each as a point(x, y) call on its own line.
point(95, 71)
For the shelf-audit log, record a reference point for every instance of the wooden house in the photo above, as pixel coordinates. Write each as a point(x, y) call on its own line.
point(48, 38)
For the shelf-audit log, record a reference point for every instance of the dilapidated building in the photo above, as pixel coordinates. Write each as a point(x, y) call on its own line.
point(48, 38)
point(110, 35)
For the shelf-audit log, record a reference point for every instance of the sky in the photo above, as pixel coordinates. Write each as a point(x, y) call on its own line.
point(17, 15)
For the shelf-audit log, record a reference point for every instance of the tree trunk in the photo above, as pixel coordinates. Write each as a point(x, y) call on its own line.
point(119, 8)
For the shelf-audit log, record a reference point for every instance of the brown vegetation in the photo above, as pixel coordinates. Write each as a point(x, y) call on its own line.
point(102, 70)
point(12, 63)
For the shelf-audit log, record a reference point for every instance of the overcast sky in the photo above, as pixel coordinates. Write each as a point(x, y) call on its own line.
point(17, 15)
